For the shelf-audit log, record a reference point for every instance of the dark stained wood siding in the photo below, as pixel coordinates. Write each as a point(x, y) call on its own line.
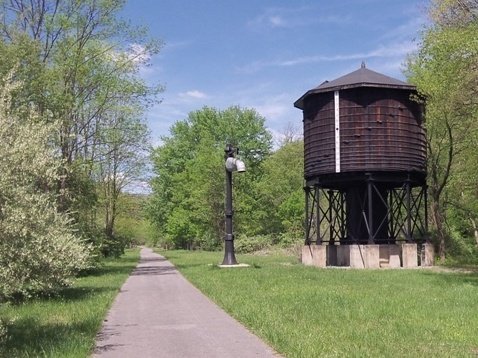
point(380, 130)
point(319, 135)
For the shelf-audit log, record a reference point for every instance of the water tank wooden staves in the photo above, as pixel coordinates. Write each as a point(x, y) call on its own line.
point(364, 161)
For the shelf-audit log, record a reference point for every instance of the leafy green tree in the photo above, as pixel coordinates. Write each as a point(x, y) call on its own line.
point(280, 191)
point(122, 161)
point(80, 64)
point(444, 70)
point(187, 205)
point(132, 223)
point(39, 251)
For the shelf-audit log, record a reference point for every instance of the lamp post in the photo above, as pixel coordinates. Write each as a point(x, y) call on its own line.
point(232, 165)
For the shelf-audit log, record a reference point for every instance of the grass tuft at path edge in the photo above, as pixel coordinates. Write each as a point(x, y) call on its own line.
point(65, 326)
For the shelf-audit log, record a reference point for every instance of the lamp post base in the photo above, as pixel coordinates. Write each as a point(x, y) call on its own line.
point(229, 256)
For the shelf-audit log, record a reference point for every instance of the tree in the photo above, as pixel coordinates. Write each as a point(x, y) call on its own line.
point(38, 248)
point(280, 191)
point(445, 72)
point(187, 204)
point(80, 65)
point(122, 160)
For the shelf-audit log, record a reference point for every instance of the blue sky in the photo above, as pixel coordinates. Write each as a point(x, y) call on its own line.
point(264, 54)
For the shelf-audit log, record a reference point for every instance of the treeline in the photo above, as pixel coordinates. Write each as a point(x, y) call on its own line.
point(445, 70)
point(187, 206)
point(73, 136)
point(74, 139)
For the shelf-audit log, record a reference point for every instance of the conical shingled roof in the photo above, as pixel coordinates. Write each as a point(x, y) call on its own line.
point(363, 77)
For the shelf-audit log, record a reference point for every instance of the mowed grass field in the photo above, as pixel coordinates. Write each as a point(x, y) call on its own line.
point(337, 312)
point(65, 326)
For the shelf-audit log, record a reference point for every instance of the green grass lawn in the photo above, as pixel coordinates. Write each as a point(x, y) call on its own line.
point(66, 325)
point(312, 312)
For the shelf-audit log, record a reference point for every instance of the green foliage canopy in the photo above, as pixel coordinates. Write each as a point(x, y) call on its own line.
point(281, 198)
point(187, 206)
point(445, 72)
point(80, 65)
point(38, 248)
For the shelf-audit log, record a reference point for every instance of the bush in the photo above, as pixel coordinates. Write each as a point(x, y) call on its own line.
point(460, 249)
point(104, 245)
point(39, 251)
point(114, 246)
point(3, 335)
point(208, 243)
point(248, 245)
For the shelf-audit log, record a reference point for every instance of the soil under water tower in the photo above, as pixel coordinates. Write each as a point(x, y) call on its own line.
point(365, 173)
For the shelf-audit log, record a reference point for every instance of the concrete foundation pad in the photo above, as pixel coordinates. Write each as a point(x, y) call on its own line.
point(390, 256)
point(356, 256)
point(314, 255)
point(234, 266)
point(371, 256)
point(368, 256)
point(409, 255)
point(343, 255)
point(364, 256)
point(332, 255)
point(428, 255)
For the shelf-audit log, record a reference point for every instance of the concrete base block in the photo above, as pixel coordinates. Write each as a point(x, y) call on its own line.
point(395, 256)
point(390, 256)
point(371, 256)
point(409, 255)
point(314, 255)
point(343, 255)
point(356, 256)
point(368, 256)
point(332, 255)
point(428, 255)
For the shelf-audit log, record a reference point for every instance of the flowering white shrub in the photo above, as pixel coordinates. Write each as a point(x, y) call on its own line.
point(38, 248)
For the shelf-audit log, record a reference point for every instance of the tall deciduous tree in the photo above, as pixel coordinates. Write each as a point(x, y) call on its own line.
point(445, 71)
point(188, 190)
point(80, 64)
point(280, 191)
point(121, 162)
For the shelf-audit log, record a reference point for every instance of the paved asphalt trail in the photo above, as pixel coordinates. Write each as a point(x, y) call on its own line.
point(159, 314)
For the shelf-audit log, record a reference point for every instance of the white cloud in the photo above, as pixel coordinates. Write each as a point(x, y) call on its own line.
point(172, 45)
point(294, 17)
point(271, 18)
point(194, 94)
point(390, 50)
point(401, 49)
point(277, 21)
point(273, 107)
point(407, 30)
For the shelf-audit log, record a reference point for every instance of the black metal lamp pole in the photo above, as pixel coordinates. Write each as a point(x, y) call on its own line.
point(229, 255)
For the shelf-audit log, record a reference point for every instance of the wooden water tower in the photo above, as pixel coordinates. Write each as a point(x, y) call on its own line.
point(365, 172)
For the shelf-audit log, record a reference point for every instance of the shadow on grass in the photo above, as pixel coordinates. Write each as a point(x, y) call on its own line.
point(80, 293)
point(455, 276)
point(30, 338)
point(119, 266)
point(202, 264)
